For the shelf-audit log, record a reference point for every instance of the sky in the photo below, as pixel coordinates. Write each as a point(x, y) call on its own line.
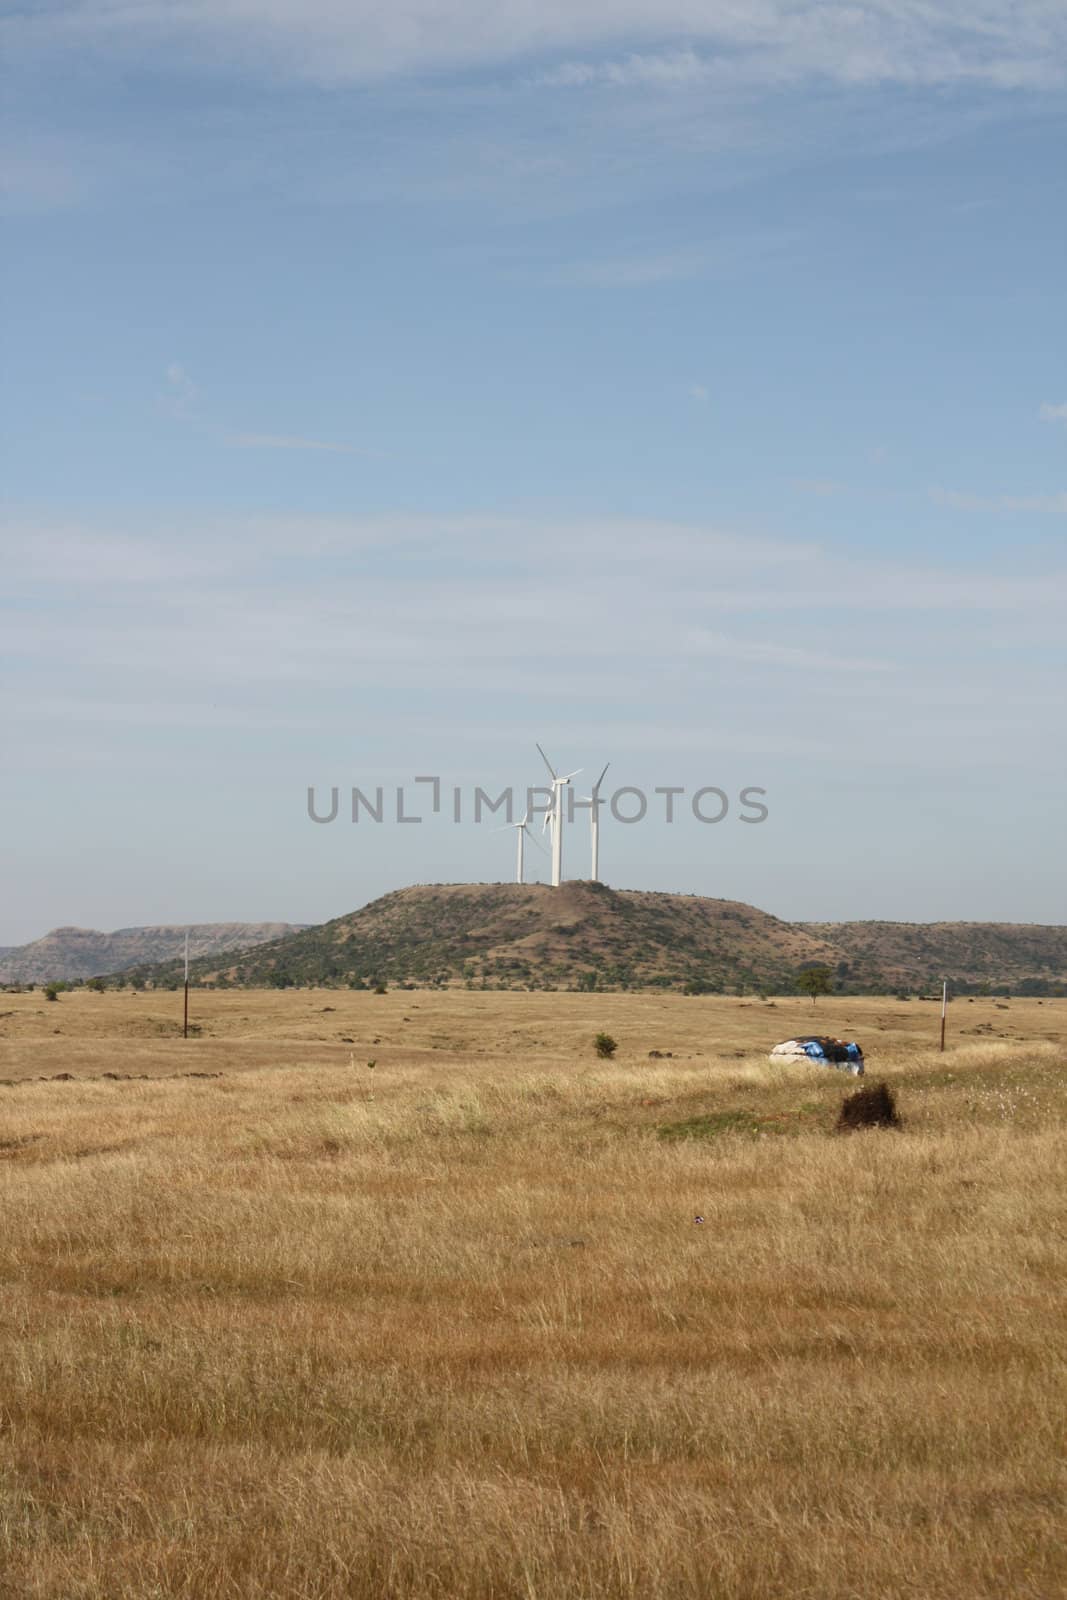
point(387, 388)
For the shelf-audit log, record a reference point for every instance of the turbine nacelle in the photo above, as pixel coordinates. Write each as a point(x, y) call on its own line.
point(555, 816)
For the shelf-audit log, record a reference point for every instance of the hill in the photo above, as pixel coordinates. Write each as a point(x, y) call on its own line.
point(1026, 957)
point(586, 935)
point(72, 953)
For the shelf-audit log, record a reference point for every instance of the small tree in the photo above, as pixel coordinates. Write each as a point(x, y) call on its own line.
point(96, 985)
point(605, 1046)
point(815, 981)
point(51, 991)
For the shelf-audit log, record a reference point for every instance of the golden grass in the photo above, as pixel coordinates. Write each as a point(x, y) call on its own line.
point(446, 1326)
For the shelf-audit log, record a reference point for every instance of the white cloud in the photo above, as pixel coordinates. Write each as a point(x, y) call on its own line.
point(741, 251)
point(1051, 413)
point(468, 597)
point(823, 487)
point(1040, 504)
point(69, 554)
point(699, 393)
point(180, 394)
point(634, 272)
point(281, 441)
point(668, 69)
point(996, 42)
point(772, 653)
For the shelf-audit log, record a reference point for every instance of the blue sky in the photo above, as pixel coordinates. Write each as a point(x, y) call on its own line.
point(388, 388)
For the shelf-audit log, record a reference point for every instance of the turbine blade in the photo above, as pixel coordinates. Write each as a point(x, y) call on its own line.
point(535, 840)
point(571, 775)
point(600, 780)
point(547, 763)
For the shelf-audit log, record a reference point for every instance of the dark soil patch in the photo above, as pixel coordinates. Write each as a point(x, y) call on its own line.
point(873, 1107)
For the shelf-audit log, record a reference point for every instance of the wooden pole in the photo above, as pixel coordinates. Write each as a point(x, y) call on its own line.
point(185, 1018)
point(944, 1004)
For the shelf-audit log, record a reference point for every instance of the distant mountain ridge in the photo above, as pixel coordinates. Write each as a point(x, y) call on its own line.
point(585, 935)
point(67, 954)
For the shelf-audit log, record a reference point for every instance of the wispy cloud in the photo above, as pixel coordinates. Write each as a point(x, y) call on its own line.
point(1004, 43)
point(772, 653)
point(699, 393)
point(282, 441)
point(823, 487)
point(275, 624)
point(180, 392)
point(639, 268)
point(1040, 504)
point(181, 397)
point(1053, 413)
point(667, 68)
point(634, 272)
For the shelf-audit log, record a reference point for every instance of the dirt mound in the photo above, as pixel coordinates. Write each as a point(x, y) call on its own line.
point(873, 1107)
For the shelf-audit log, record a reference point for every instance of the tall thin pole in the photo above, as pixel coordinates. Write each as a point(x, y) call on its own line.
point(519, 874)
point(557, 835)
point(594, 822)
point(185, 1019)
point(944, 1007)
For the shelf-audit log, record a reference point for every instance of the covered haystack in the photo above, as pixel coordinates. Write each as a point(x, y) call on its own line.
point(845, 1054)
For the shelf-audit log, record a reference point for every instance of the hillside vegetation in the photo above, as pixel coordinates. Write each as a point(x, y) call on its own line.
point(76, 953)
point(585, 935)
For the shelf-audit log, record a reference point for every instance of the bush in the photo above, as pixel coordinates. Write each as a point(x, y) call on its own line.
point(605, 1046)
point(379, 988)
point(815, 981)
point(873, 1107)
point(51, 991)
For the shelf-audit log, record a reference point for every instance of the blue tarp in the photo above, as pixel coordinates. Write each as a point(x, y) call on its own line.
point(842, 1053)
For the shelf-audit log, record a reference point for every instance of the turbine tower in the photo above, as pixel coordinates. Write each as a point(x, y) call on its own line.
point(594, 822)
point(555, 816)
point(522, 834)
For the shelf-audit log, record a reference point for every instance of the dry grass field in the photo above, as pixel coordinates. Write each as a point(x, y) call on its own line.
point(445, 1325)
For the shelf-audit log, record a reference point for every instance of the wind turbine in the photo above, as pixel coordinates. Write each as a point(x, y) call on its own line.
point(593, 802)
point(522, 834)
point(555, 816)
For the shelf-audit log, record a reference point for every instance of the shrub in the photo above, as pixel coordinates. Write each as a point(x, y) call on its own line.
point(815, 981)
point(605, 1046)
point(379, 988)
point(51, 991)
point(872, 1107)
